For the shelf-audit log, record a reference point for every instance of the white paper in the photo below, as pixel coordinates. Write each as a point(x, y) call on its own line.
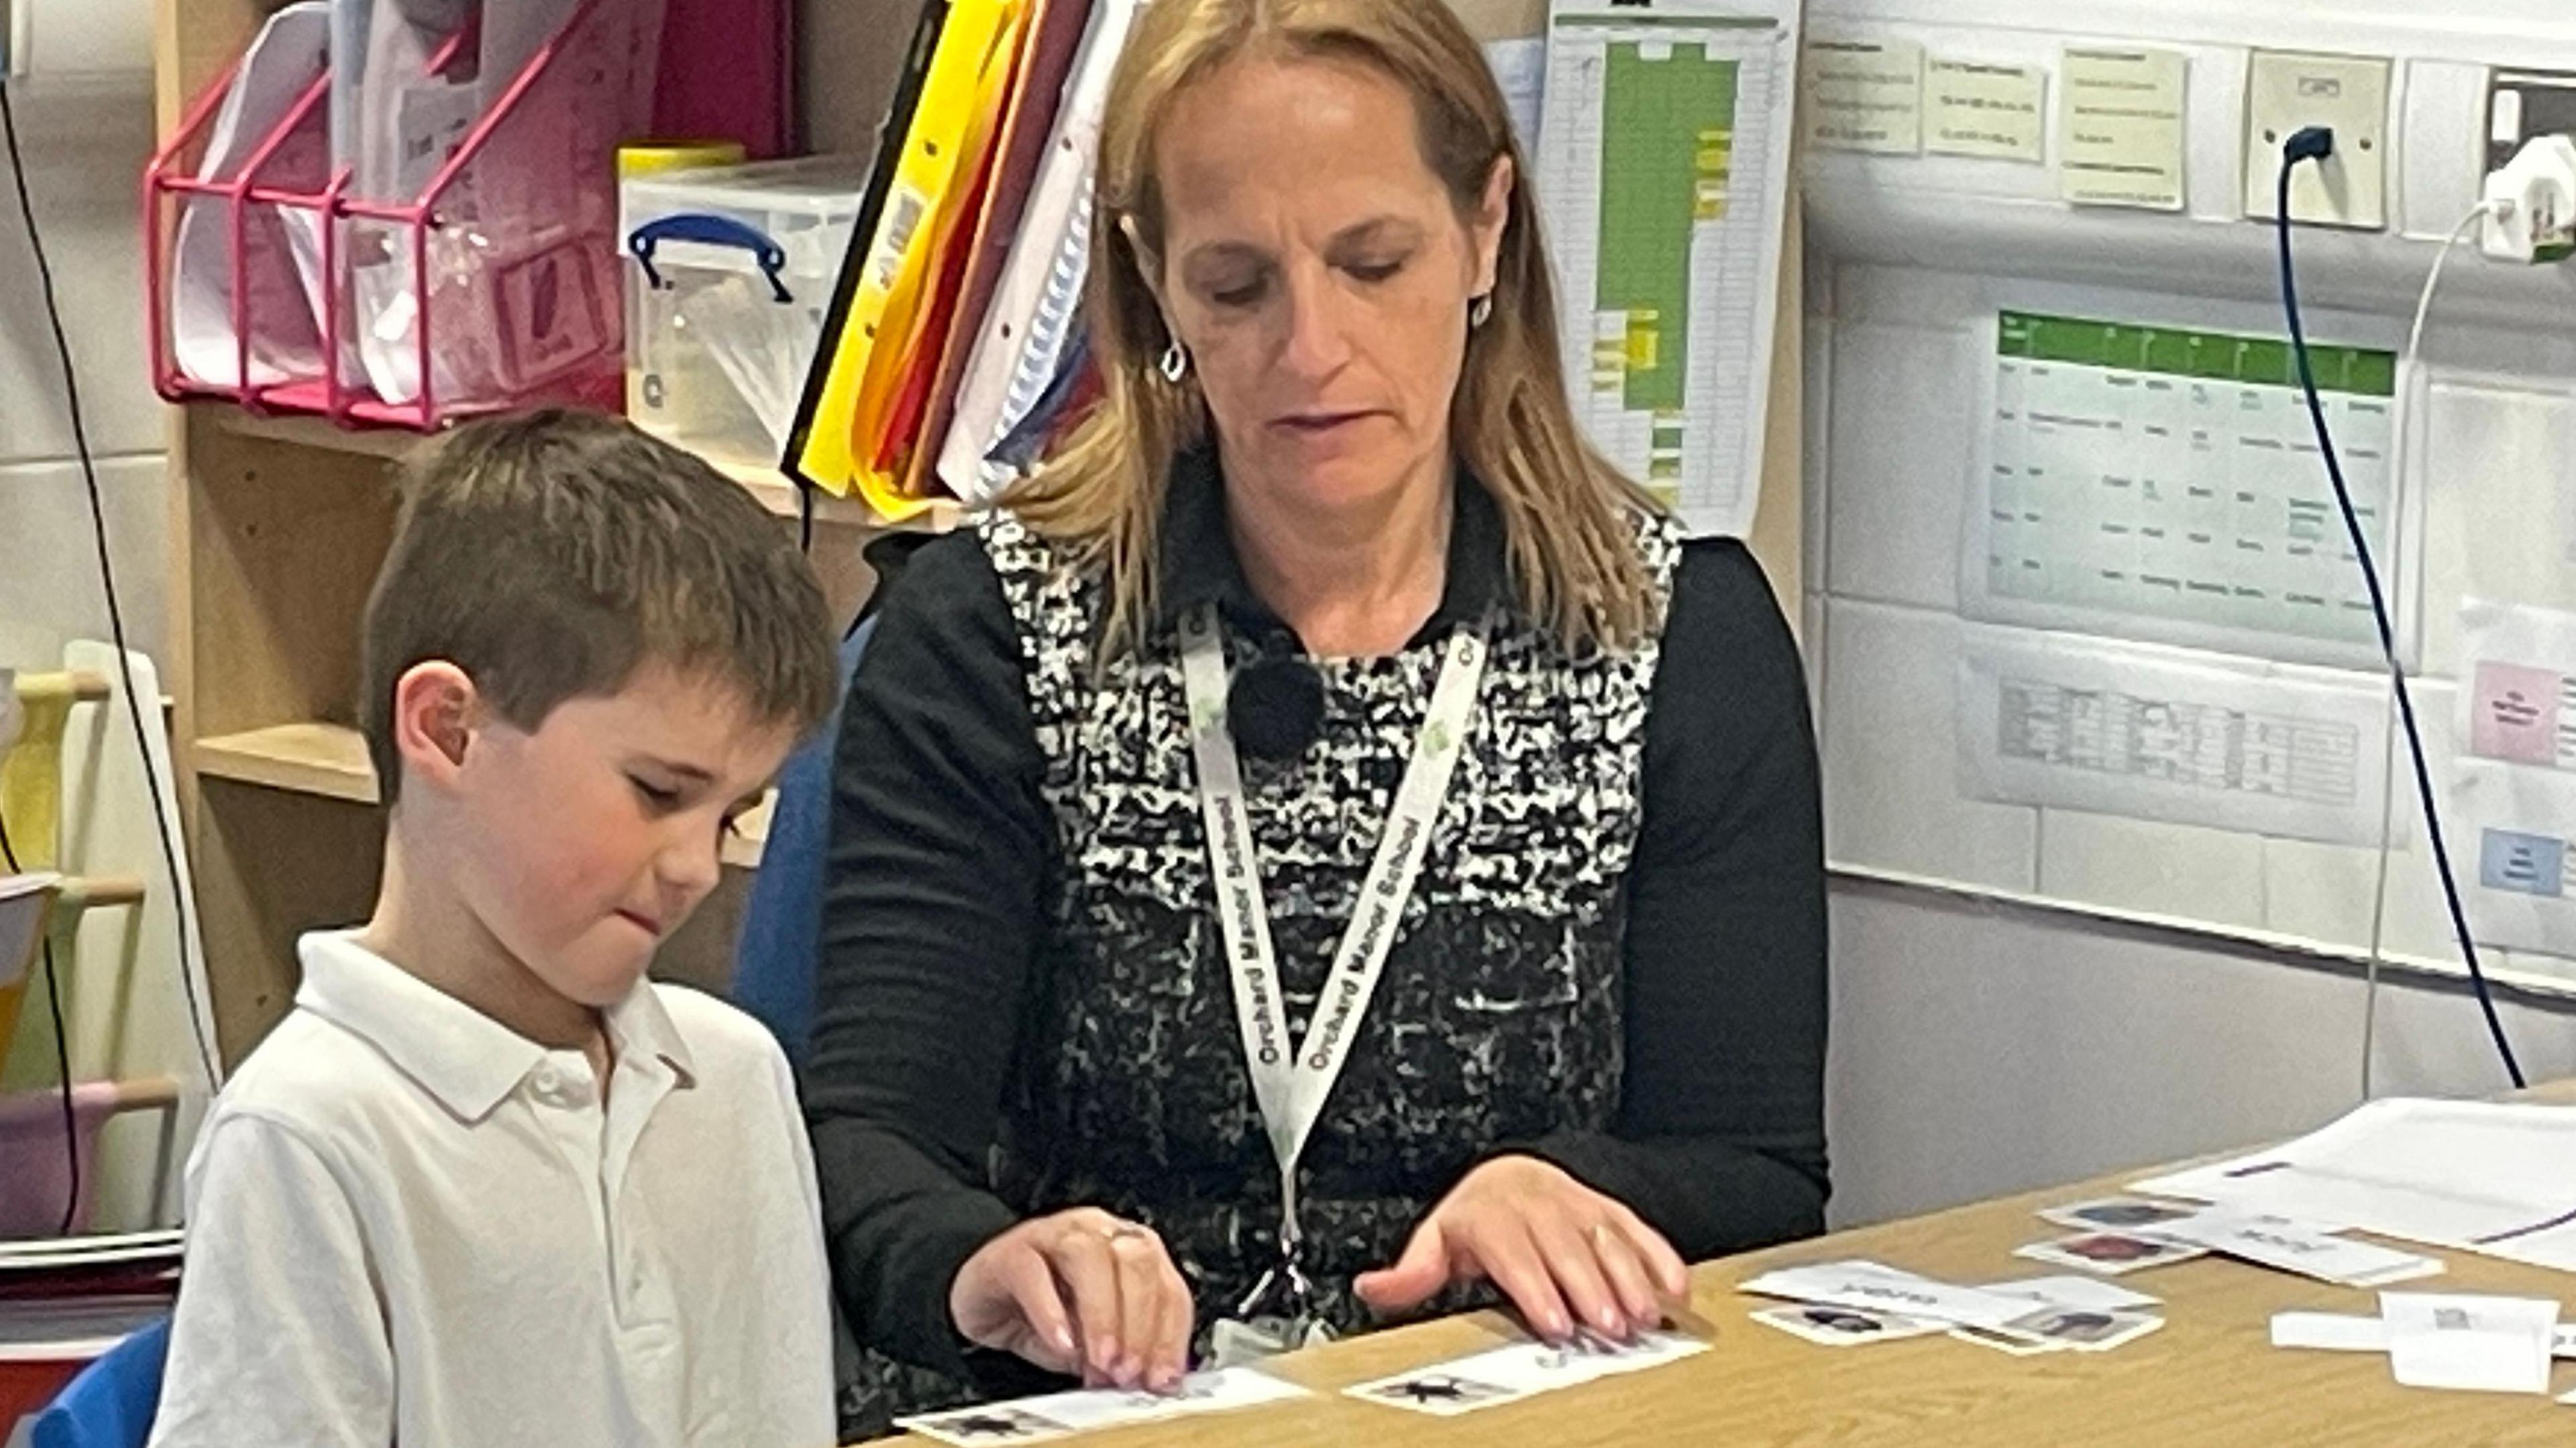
point(2475, 1176)
point(290, 53)
point(2291, 1247)
point(1864, 94)
point(2153, 733)
point(1663, 164)
point(1872, 1287)
point(1520, 69)
point(1986, 109)
point(1518, 1370)
point(2340, 1332)
point(1060, 1415)
point(2166, 484)
point(2469, 1343)
point(2082, 1293)
point(2329, 1332)
point(2121, 122)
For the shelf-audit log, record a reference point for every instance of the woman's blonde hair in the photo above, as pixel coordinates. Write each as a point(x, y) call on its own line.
point(1568, 515)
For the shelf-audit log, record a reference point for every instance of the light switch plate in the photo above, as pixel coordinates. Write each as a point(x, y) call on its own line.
point(2286, 91)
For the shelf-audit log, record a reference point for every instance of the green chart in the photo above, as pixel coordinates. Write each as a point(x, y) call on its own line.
point(1667, 154)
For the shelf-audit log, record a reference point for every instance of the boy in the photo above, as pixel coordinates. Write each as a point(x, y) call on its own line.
point(487, 1185)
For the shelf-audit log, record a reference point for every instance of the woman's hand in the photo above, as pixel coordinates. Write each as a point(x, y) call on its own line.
point(1567, 1256)
point(1079, 1292)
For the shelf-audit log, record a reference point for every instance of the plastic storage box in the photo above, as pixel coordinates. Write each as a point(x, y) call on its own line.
point(729, 277)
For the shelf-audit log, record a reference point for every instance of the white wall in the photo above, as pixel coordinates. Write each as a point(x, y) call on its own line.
point(1981, 1049)
point(85, 147)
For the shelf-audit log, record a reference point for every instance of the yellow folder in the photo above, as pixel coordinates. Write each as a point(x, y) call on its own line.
point(961, 99)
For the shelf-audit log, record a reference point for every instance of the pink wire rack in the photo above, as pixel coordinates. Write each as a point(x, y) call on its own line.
point(506, 262)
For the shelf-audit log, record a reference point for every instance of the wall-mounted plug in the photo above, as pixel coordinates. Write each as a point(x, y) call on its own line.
point(2531, 203)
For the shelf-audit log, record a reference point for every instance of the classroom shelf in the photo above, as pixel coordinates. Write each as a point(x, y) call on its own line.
point(768, 486)
point(328, 760)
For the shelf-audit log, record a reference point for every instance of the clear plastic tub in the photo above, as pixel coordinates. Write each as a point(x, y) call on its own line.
point(729, 278)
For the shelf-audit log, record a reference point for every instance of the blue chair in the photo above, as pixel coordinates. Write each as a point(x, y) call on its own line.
point(110, 1405)
point(782, 922)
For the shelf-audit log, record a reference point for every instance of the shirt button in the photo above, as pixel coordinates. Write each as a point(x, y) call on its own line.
point(547, 1083)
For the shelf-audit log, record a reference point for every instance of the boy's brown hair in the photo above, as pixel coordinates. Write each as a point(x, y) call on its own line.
point(552, 554)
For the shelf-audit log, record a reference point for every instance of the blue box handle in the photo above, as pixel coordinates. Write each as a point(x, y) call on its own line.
point(709, 231)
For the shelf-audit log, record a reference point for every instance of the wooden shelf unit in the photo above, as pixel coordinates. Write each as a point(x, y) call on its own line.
point(277, 526)
point(326, 760)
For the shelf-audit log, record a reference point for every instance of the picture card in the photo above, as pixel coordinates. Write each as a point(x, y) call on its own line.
point(1050, 1416)
point(1844, 1326)
point(2117, 1214)
point(2111, 1253)
point(1518, 1370)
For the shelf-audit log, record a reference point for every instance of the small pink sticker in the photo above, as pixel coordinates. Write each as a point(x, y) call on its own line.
point(2515, 714)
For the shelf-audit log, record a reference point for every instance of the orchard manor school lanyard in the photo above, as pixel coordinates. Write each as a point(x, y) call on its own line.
point(1291, 1089)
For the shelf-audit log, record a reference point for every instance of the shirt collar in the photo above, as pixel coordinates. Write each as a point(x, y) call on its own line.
point(466, 1059)
point(1199, 564)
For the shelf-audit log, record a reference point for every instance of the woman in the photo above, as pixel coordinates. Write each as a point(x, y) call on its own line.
point(1488, 899)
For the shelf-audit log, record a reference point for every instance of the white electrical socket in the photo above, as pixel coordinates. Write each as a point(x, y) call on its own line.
point(2286, 92)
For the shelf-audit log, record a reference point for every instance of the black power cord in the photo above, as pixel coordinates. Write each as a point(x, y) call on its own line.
point(107, 579)
point(2316, 143)
point(62, 1056)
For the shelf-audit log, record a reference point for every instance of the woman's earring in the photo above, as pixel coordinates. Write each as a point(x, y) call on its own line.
point(1176, 363)
point(1480, 311)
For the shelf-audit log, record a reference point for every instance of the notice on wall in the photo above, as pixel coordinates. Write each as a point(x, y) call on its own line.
point(2120, 127)
point(1864, 95)
point(2152, 733)
point(1984, 109)
point(2164, 482)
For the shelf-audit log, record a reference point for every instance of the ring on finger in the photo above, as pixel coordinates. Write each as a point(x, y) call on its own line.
point(1122, 1231)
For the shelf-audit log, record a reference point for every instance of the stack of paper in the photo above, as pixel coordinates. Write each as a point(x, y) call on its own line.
point(2476, 1176)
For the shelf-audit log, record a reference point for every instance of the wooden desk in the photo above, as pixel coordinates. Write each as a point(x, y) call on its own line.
point(2211, 1376)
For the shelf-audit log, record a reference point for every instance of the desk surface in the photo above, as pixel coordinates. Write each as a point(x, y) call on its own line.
point(2211, 1376)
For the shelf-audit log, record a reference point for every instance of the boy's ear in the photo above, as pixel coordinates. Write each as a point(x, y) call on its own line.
point(435, 713)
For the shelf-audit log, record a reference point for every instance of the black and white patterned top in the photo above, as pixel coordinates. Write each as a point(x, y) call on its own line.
point(1614, 958)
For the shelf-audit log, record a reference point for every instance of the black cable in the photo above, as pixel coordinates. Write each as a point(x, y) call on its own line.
point(62, 1056)
point(107, 579)
point(2315, 143)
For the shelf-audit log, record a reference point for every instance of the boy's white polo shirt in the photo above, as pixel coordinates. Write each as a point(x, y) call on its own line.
point(409, 1224)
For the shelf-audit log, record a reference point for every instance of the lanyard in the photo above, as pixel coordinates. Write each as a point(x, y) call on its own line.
point(1290, 1083)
